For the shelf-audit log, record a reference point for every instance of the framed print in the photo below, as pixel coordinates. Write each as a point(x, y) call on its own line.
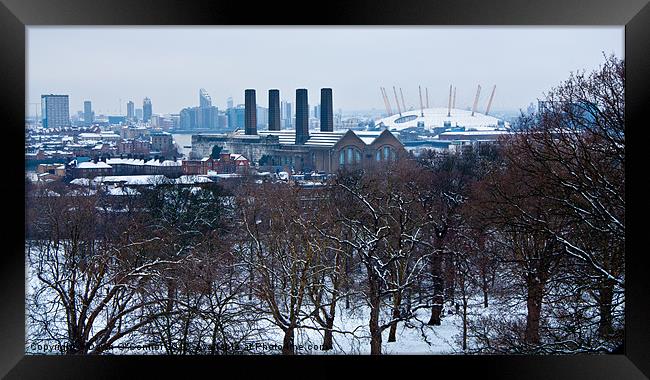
point(393, 186)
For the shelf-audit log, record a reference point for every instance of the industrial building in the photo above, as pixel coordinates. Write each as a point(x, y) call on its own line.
point(301, 150)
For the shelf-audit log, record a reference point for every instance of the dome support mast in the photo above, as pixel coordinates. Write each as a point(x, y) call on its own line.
point(421, 105)
point(487, 110)
point(399, 109)
point(449, 104)
point(478, 92)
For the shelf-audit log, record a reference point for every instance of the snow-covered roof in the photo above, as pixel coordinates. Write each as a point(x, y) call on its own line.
point(93, 165)
point(81, 181)
point(317, 138)
point(138, 162)
point(130, 179)
point(436, 118)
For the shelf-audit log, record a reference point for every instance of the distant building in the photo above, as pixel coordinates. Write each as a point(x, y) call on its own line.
point(88, 113)
point(229, 103)
point(227, 163)
point(146, 110)
point(204, 99)
point(138, 114)
point(162, 142)
point(130, 110)
point(286, 115)
point(55, 110)
point(323, 151)
point(116, 120)
point(134, 146)
point(236, 117)
point(262, 118)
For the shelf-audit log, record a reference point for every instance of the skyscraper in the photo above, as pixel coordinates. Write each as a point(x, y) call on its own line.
point(302, 116)
point(326, 110)
point(130, 107)
point(146, 110)
point(229, 103)
point(138, 113)
point(250, 117)
point(262, 118)
point(236, 117)
point(287, 119)
point(204, 99)
point(88, 112)
point(55, 110)
point(274, 110)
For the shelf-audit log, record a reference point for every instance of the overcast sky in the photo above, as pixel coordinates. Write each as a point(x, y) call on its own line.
point(170, 64)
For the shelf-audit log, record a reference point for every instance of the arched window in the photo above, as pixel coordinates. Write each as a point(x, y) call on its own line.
point(349, 155)
point(385, 153)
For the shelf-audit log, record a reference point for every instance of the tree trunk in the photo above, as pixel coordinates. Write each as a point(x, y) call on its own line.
point(605, 296)
point(397, 300)
point(287, 343)
point(534, 308)
point(464, 320)
point(375, 331)
point(438, 289)
point(450, 269)
point(328, 341)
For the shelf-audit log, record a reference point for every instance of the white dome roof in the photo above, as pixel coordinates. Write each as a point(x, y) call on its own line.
point(436, 118)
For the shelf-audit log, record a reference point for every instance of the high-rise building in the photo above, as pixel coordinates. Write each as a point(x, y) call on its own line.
point(302, 116)
point(287, 115)
point(138, 113)
point(236, 117)
point(207, 113)
point(55, 110)
point(88, 112)
point(130, 114)
point(204, 99)
point(250, 118)
point(229, 103)
point(274, 110)
point(262, 118)
point(326, 110)
point(146, 110)
point(207, 117)
point(188, 118)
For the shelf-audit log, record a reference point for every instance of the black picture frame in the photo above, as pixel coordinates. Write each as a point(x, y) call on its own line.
point(631, 363)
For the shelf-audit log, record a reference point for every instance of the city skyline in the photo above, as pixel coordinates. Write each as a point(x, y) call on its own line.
point(523, 62)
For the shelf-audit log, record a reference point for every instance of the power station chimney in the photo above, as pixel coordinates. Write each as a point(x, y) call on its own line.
point(274, 110)
point(250, 113)
point(302, 116)
point(326, 110)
